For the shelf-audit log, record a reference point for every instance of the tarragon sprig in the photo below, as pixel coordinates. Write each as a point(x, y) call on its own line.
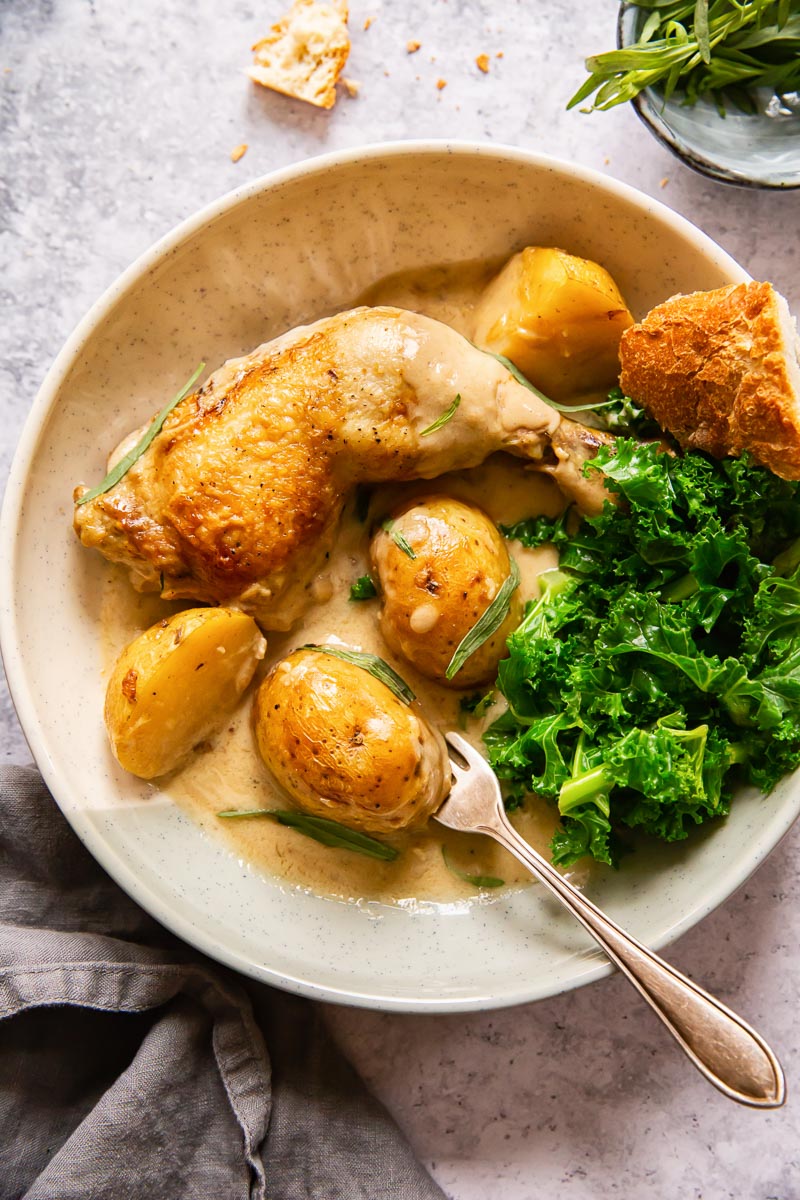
point(701, 47)
point(120, 469)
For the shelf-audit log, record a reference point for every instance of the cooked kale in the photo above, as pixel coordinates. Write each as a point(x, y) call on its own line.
point(661, 663)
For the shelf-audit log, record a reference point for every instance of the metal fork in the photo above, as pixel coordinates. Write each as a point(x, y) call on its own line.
point(721, 1045)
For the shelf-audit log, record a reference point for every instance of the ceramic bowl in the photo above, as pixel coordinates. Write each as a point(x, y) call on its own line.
point(282, 250)
point(761, 150)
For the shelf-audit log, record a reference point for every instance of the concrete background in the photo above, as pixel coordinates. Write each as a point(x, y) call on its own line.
point(117, 122)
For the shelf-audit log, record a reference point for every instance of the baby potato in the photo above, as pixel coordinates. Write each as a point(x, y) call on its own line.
point(176, 683)
point(344, 746)
point(431, 601)
point(558, 318)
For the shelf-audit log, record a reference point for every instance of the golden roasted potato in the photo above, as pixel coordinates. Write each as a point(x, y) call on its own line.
point(558, 318)
point(344, 746)
point(176, 683)
point(431, 601)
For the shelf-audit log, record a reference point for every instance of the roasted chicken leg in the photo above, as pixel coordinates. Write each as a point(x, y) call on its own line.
point(237, 499)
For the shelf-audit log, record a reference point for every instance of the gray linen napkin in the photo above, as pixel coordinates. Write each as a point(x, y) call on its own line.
point(132, 1068)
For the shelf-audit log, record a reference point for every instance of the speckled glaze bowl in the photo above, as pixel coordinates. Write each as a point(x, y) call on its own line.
point(279, 251)
point(759, 150)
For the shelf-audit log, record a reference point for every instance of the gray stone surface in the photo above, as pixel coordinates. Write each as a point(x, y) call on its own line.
point(117, 122)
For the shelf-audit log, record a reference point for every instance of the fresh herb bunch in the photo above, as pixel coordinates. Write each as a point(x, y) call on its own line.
point(662, 660)
point(715, 48)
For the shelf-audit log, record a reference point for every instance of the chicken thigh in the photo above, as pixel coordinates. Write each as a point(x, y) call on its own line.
point(237, 498)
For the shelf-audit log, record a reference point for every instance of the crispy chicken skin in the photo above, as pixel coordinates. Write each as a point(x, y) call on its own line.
point(237, 499)
point(720, 371)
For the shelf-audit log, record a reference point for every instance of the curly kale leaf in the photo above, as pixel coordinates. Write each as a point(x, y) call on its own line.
point(662, 660)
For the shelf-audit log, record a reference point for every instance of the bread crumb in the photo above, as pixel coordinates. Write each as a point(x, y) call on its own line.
point(441, 83)
point(367, 22)
point(412, 47)
point(606, 160)
point(238, 151)
point(482, 63)
point(499, 54)
point(663, 183)
point(304, 53)
point(350, 86)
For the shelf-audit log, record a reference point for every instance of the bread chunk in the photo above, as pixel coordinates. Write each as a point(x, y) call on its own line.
point(304, 54)
point(720, 371)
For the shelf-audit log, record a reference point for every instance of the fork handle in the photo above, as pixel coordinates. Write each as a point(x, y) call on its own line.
point(721, 1045)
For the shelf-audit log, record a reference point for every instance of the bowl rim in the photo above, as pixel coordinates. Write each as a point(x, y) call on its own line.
point(24, 458)
point(646, 108)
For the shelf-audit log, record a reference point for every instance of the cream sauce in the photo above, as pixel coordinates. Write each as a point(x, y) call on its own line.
point(228, 773)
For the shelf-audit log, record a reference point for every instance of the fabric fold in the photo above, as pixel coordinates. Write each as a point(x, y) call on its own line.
point(133, 1068)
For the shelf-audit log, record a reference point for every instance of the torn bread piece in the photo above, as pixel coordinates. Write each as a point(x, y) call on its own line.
point(304, 54)
point(721, 371)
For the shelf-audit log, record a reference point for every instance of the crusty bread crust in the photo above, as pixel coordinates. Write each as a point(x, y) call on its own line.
point(304, 54)
point(719, 370)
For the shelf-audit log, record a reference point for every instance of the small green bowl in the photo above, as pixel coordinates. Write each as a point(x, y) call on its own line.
point(758, 151)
